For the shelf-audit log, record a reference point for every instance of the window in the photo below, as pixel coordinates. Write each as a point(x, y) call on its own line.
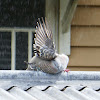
point(5, 50)
point(17, 22)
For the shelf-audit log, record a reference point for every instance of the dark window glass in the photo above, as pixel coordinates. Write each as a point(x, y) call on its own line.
point(21, 50)
point(5, 50)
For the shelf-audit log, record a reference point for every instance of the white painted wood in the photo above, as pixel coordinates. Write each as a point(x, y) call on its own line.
point(64, 38)
point(67, 8)
point(8, 29)
point(30, 37)
point(68, 15)
point(13, 50)
point(64, 42)
point(52, 15)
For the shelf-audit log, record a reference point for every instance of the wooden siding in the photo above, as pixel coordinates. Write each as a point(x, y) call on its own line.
point(89, 2)
point(87, 16)
point(85, 37)
point(78, 68)
point(84, 56)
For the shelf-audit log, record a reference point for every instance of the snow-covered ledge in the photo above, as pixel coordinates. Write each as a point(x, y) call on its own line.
point(25, 79)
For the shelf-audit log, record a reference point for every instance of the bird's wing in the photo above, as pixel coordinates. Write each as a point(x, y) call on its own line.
point(44, 41)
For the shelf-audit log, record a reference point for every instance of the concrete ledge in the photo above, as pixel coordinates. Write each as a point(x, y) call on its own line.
point(25, 79)
point(72, 75)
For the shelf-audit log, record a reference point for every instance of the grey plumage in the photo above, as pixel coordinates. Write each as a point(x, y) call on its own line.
point(46, 60)
point(44, 41)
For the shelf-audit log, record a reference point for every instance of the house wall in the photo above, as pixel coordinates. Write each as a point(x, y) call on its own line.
point(85, 37)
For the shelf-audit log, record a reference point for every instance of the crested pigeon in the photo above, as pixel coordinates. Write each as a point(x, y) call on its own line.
point(46, 58)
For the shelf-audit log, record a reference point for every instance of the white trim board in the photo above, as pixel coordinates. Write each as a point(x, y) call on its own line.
point(60, 13)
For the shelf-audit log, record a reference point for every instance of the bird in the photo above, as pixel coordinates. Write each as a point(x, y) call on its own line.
point(46, 59)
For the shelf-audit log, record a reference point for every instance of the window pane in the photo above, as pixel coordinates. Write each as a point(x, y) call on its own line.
point(5, 50)
point(21, 50)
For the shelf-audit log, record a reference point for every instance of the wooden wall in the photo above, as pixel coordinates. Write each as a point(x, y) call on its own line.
point(85, 37)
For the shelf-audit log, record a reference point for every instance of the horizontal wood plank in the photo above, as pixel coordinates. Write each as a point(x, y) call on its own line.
point(85, 36)
point(88, 2)
point(81, 68)
point(86, 16)
point(81, 56)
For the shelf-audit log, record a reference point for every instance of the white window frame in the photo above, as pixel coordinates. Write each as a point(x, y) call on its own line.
point(13, 42)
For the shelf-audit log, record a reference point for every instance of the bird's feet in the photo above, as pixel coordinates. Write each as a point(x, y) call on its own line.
point(66, 70)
